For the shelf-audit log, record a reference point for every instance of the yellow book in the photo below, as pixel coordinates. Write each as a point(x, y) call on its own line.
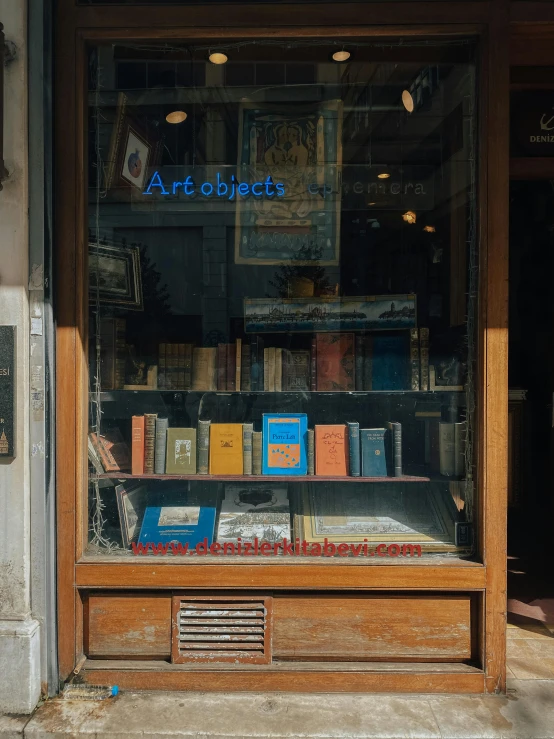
point(226, 449)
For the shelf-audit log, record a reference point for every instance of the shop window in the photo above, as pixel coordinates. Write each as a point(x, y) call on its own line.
point(282, 303)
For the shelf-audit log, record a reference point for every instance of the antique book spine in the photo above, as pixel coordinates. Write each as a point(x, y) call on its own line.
point(181, 366)
point(278, 370)
point(256, 452)
point(331, 450)
point(222, 366)
point(313, 364)
point(414, 358)
point(181, 451)
point(367, 382)
point(204, 369)
point(271, 369)
point(203, 447)
point(299, 370)
point(226, 456)
point(311, 452)
point(424, 358)
point(354, 448)
point(245, 380)
point(231, 367)
point(335, 362)
point(161, 443)
point(395, 448)
point(447, 448)
point(247, 430)
point(137, 445)
point(359, 362)
point(257, 364)
point(188, 367)
point(120, 353)
point(374, 461)
point(170, 362)
point(149, 442)
point(266, 369)
point(238, 364)
point(391, 361)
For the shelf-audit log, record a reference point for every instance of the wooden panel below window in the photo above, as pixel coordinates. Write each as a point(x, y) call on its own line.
point(372, 627)
point(128, 626)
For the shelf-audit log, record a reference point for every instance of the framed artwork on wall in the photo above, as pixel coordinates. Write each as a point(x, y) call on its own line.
point(115, 275)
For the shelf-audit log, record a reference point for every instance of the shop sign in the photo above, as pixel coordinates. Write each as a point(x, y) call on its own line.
point(219, 188)
point(533, 124)
point(7, 392)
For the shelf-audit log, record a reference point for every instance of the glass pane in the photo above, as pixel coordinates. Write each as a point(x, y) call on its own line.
point(283, 286)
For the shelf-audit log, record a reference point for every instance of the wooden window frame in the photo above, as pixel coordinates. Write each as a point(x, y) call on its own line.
point(79, 26)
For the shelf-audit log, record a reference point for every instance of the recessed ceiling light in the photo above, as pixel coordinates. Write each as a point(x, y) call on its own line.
point(383, 176)
point(371, 203)
point(218, 57)
point(429, 229)
point(408, 101)
point(409, 216)
point(176, 116)
point(341, 56)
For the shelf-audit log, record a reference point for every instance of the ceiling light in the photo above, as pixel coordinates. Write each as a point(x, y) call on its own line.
point(409, 216)
point(176, 116)
point(218, 57)
point(429, 229)
point(383, 176)
point(341, 56)
point(408, 101)
point(371, 203)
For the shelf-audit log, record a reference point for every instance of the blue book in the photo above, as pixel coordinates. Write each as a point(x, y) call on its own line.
point(390, 361)
point(184, 524)
point(354, 447)
point(285, 444)
point(374, 460)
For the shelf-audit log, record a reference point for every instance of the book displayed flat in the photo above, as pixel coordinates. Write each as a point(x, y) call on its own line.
point(181, 451)
point(331, 450)
point(111, 450)
point(226, 456)
point(254, 512)
point(284, 447)
point(181, 524)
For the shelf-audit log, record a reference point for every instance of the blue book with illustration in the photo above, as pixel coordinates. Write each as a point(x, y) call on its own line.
point(285, 444)
point(391, 361)
point(184, 524)
point(374, 460)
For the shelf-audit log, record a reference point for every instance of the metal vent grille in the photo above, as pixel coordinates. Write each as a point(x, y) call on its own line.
point(221, 629)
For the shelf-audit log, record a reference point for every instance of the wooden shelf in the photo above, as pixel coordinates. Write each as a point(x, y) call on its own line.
point(105, 394)
point(262, 478)
point(532, 168)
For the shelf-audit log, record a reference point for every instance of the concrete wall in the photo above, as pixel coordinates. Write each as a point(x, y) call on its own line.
point(19, 631)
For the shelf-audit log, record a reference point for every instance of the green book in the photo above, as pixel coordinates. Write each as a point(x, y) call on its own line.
point(181, 452)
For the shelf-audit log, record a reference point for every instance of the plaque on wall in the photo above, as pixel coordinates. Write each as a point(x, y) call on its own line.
point(532, 123)
point(7, 392)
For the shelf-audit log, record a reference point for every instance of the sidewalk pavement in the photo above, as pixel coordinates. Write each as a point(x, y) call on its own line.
point(525, 712)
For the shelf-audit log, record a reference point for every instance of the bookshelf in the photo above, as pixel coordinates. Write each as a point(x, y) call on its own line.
point(284, 479)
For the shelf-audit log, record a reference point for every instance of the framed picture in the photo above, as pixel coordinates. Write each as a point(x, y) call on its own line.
point(134, 151)
point(372, 312)
point(131, 504)
point(115, 275)
point(447, 376)
point(297, 150)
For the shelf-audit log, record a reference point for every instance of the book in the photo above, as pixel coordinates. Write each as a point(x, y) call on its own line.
point(447, 448)
point(203, 447)
point(231, 367)
point(120, 353)
point(111, 450)
point(245, 379)
point(204, 369)
point(284, 444)
point(296, 377)
point(161, 445)
point(311, 452)
point(131, 504)
point(247, 430)
point(335, 362)
point(226, 457)
point(390, 361)
point(149, 442)
point(172, 525)
point(254, 513)
point(278, 370)
point(256, 452)
point(414, 359)
point(221, 367)
point(257, 364)
point(359, 345)
point(265, 385)
point(271, 369)
point(374, 461)
point(181, 451)
point(238, 363)
point(161, 366)
point(171, 372)
point(424, 358)
point(188, 366)
point(394, 456)
point(354, 448)
point(331, 450)
point(137, 445)
point(313, 365)
point(367, 381)
point(181, 366)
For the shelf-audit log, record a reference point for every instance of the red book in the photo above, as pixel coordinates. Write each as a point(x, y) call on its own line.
point(335, 362)
point(231, 367)
point(222, 366)
point(137, 445)
point(331, 450)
